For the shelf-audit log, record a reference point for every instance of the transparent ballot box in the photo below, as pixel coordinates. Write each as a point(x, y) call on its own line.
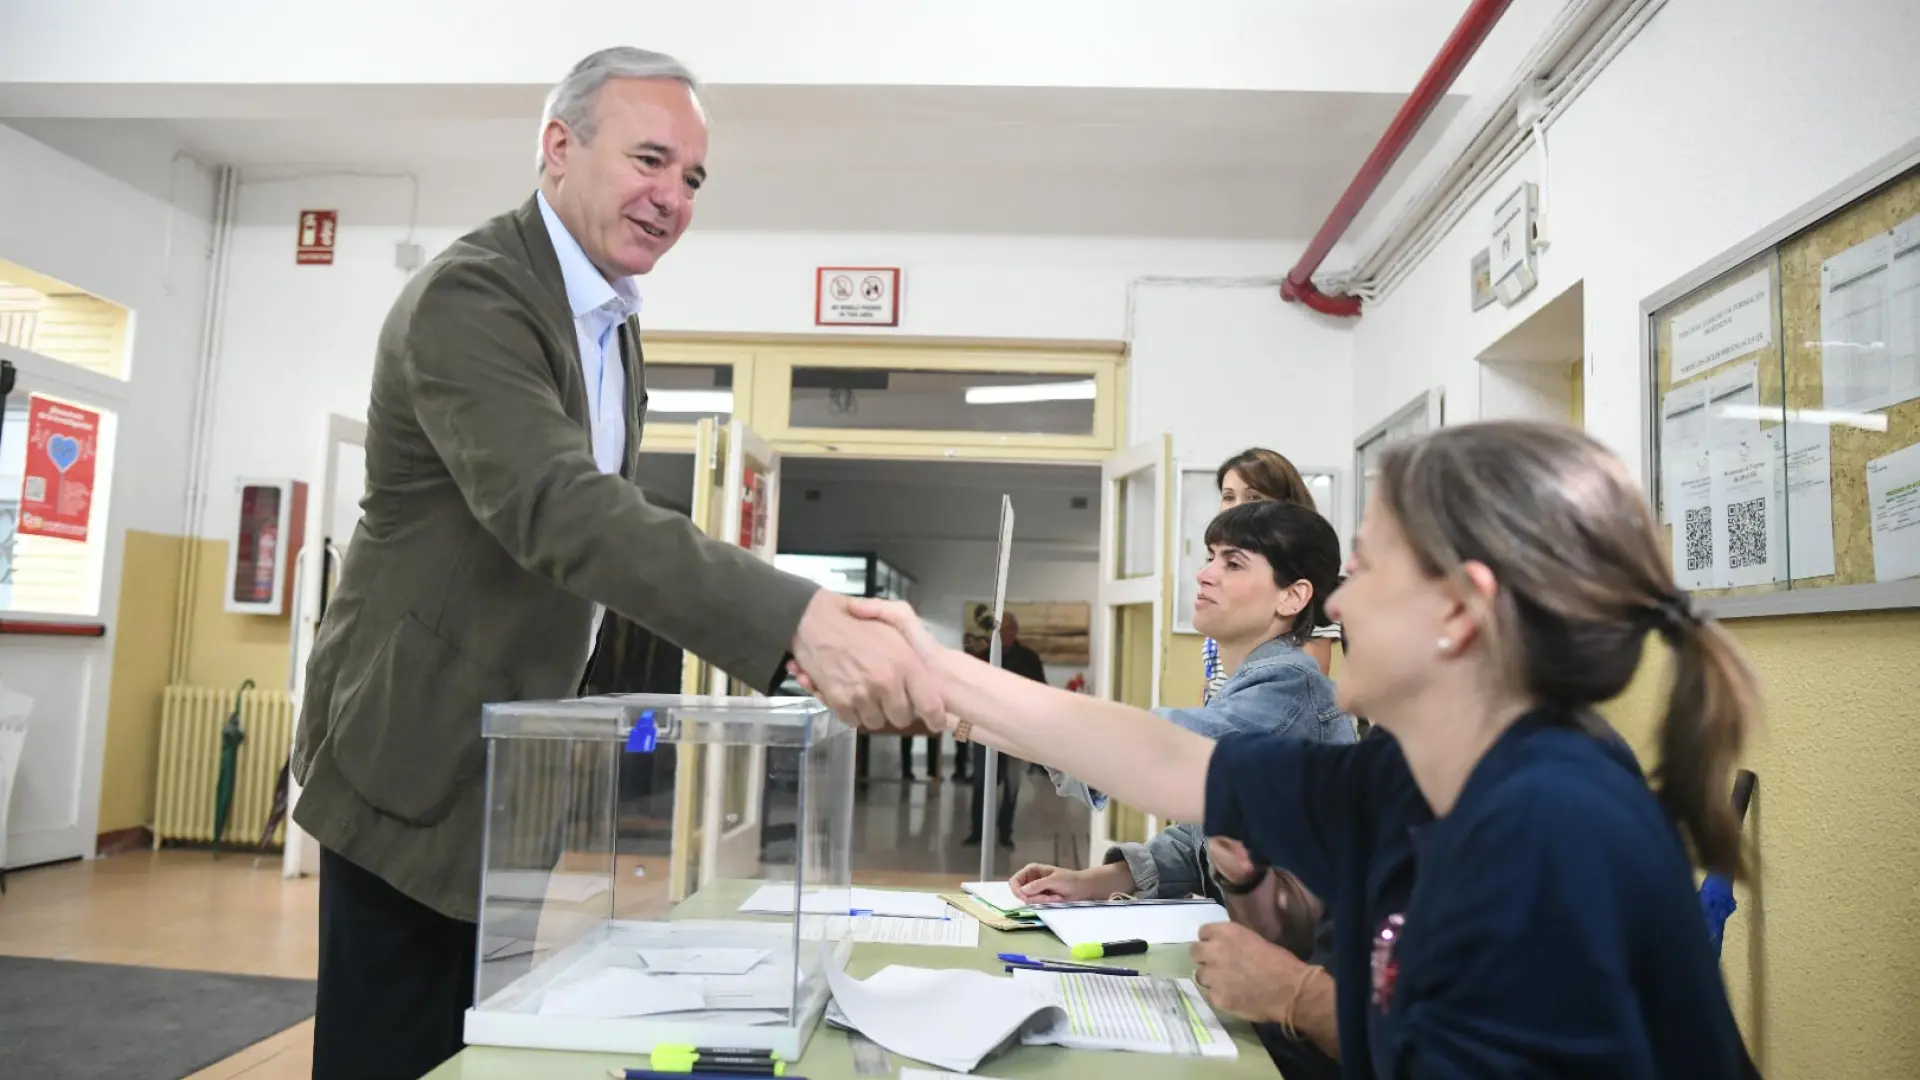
point(647, 860)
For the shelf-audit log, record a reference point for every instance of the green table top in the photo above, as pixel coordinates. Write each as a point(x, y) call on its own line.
point(829, 1057)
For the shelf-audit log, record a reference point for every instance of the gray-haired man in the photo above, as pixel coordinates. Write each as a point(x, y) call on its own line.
point(501, 521)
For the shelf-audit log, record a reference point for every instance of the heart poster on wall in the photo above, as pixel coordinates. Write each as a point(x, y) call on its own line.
point(56, 496)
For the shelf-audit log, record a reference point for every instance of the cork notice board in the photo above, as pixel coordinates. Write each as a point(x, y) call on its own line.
point(1752, 346)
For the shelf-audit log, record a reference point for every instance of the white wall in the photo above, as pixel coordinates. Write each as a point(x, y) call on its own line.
point(1223, 368)
point(1722, 116)
point(72, 222)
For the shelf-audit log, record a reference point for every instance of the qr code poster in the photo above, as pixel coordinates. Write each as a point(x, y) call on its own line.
point(56, 495)
point(1745, 533)
point(1691, 484)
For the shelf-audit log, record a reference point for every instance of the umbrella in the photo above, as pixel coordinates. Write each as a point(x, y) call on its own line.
point(278, 812)
point(1716, 892)
point(231, 736)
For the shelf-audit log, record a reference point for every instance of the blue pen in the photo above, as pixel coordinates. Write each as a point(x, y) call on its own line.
point(1043, 964)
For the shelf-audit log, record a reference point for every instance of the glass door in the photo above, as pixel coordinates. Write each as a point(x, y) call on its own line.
point(1130, 634)
point(736, 775)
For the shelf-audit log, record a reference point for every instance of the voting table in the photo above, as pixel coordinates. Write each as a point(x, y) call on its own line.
point(829, 1054)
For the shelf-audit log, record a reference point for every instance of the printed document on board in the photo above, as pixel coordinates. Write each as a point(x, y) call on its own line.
point(1683, 427)
point(1804, 489)
point(1744, 546)
point(1870, 321)
point(1893, 498)
point(1692, 480)
point(1731, 323)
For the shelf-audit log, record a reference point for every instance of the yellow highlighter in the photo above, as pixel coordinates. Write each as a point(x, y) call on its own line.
point(1094, 950)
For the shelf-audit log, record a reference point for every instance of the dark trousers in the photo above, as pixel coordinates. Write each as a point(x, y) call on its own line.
point(396, 979)
point(1011, 772)
point(906, 756)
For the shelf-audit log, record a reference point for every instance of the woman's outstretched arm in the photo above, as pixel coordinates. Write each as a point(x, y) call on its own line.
point(1131, 754)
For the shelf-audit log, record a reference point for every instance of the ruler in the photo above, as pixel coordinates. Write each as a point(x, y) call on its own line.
point(869, 1057)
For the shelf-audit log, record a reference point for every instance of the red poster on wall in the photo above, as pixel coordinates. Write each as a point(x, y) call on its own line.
point(56, 498)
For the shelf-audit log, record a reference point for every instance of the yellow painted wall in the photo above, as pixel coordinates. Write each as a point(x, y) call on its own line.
point(1183, 685)
point(1822, 960)
point(143, 643)
point(1577, 396)
point(226, 649)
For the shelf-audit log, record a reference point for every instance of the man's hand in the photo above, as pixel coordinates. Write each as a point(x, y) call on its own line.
point(864, 668)
point(1244, 973)
point(1038, 883)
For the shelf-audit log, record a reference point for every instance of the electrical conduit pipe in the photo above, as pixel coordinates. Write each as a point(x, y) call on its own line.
point(1465, 40)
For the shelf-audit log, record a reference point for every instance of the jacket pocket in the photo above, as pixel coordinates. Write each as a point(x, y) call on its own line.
point(407, 737)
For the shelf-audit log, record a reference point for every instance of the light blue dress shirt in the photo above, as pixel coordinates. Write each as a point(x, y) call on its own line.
point(599, 307)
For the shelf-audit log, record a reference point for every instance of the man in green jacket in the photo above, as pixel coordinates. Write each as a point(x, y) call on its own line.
point(501, 523)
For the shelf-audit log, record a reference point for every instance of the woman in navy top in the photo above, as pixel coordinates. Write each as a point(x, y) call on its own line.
point(1512, 898)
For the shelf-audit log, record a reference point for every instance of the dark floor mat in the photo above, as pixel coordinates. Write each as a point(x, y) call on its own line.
point(60, 1019)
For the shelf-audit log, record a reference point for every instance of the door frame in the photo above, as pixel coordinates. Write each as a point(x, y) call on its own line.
point(1153, 590)
point(312, 583)
point(79, 836)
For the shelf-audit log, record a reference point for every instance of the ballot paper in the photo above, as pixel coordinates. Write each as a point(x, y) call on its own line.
point(778, 900)
point(962, 930)
point(997, 893)
point(618, 992)
point(1155, 924)
point(702, 961)
point(1111, 1012)
point(951, 1019)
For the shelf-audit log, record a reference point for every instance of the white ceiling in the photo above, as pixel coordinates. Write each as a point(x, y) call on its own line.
point(995, 160)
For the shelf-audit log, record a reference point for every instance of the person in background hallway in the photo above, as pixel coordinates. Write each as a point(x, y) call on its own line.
point(1260, 475)
point(1017, 658)
point(1504, 583)
point(501, 521)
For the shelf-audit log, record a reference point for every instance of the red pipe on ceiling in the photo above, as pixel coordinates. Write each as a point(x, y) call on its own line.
point(1465, 40)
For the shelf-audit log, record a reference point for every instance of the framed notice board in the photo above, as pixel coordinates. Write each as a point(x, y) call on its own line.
point(1784, 419)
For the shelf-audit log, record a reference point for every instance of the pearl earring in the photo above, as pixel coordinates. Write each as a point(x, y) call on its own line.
point(1445, 644)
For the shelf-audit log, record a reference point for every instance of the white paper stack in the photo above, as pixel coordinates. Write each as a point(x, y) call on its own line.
point(1113, 1012)
point(951, 1019)
point(1155, 924)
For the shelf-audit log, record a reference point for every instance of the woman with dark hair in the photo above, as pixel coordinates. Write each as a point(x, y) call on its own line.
point(1260, 475)
point(1504, 583)
point(1270, 568)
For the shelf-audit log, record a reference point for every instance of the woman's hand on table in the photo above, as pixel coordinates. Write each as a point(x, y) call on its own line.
point(1038, 883)
point(1243, 973)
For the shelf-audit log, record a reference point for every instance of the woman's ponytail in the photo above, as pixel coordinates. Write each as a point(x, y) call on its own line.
point(1713, 702)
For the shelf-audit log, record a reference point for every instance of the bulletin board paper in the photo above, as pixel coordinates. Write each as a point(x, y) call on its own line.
point(1822, 506)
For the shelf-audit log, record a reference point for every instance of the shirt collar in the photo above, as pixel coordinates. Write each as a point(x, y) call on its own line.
point(587, 289)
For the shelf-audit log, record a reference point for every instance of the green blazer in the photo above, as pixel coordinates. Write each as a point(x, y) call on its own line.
point(486, 536)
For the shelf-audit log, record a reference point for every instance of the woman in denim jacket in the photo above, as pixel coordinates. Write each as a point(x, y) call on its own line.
point(1270, 567)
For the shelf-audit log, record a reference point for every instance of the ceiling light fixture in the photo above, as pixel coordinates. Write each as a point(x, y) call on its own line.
point(1081, 390)
point(690, 401)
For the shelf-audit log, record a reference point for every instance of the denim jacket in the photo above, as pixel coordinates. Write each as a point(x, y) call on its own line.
point(1279, 689)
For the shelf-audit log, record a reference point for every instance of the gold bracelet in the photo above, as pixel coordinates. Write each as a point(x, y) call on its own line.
point(1286, 1016)
point(962, 730)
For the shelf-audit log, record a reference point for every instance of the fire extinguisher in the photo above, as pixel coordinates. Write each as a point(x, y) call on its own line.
point(263, 561)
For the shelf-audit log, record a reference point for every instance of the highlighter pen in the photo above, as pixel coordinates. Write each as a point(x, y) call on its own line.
point(680, 1074)
point(1093, 950)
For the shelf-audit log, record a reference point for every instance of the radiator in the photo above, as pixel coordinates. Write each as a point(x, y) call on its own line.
point(190, 721)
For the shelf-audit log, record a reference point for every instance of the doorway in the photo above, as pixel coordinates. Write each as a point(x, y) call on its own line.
point(931, 528)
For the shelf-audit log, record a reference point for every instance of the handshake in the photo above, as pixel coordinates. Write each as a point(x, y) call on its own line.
point(872, 661)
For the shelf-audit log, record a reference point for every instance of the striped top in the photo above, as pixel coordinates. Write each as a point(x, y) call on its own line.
point(1216, 672)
